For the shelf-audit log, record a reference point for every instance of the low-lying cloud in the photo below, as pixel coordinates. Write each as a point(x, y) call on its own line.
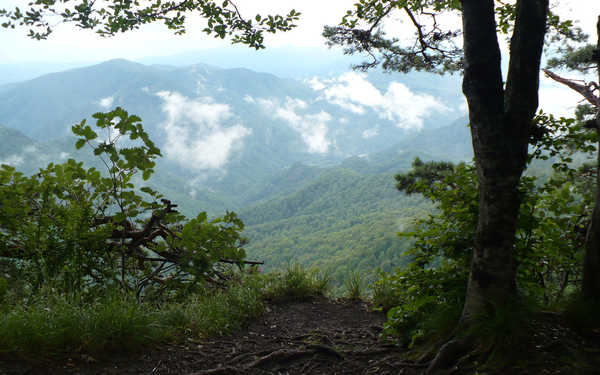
point(29, 153)
point(370, 133)
point(353, 92)
point(312, 127)
point(13, 160)
point(197, 136)
point(106, 102)
point(558, 100)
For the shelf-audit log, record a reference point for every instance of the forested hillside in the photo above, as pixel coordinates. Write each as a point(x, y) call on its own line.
point(342, 218)
point(343, 221)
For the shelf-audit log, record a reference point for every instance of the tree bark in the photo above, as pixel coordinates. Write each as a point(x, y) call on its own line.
point(500, 122)
point(591, 263)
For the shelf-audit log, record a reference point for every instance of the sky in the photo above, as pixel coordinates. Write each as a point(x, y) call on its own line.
point(68, 44)
point(71, 45)
point(213, 128)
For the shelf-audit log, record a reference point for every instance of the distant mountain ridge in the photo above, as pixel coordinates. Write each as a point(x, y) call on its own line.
point(258, 123)
point(309, 165)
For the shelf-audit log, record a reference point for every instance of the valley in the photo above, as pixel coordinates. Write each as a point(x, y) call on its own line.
point(307, 163)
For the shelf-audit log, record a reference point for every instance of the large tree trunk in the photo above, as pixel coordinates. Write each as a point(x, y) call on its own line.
point(500, 120)
point(591, 263)
point(500, 126)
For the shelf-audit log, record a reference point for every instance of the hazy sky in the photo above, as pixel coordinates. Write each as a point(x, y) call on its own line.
point(68, 44)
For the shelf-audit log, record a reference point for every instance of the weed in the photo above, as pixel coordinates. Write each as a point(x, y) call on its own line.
point(354, 285)
point(46, 324)
point(296, 283)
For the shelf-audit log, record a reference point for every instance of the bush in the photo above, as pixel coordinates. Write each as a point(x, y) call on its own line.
point(431, 290)
point(426, 301)
point(82, 231)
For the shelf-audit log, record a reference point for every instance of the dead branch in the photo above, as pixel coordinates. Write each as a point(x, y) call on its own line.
point(586, 89)
point(249, 262)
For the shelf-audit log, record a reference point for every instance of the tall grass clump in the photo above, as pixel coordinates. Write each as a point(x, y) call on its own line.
point(296, 283)
point(56, 325)
point(223, 312)
point(48, 324)
point(354, 285)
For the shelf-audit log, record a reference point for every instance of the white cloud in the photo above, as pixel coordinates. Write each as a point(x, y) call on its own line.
point(315, 84)
point(106, 102)
point(64, 155)
point(196, 135)
point(29, 152)
point(312, 127)
point(399, 104)
point(370, 133)
point(13, 160)
point(31, 149)
point(557, 99)
point(463, 107)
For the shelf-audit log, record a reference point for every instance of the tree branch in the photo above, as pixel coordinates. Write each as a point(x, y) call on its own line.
point(526, 47)
point(482, 83)
point(586, 90)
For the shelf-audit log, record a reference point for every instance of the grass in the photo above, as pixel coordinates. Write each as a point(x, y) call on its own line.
point(295, 283)
point(48, 325)
point(56, 326)
point(354, 285)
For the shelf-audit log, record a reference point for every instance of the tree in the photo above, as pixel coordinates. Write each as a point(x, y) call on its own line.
point(83, 232)
point(585, 59)
point(150, 239)
point(500, 114)
point(114, 16)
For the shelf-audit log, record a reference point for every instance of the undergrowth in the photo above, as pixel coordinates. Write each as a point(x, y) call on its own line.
point(582, 314)
point(354, 285)
point(294, 283)
point(49, 325)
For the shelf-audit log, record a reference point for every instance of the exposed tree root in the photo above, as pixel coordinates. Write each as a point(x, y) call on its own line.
point(278, 356)
point(445, 362)
point(220, 371)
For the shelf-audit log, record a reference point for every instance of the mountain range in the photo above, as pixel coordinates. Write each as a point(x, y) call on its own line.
point(308, 163)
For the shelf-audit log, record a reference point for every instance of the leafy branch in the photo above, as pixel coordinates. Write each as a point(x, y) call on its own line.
point(123, 15)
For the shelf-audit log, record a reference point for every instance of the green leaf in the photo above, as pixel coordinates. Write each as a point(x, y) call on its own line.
point(147, 173)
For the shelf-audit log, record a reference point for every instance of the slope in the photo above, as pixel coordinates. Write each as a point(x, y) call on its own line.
point(342, 221)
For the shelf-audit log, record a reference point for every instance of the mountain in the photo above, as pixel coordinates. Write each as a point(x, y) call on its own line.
point(227, 130)
point(16, 72)
point(308, 164)
point(340, 221)
point(298, 62)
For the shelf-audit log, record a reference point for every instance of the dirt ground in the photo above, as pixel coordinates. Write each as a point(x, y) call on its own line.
point(310, 337)
point(320, 337)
